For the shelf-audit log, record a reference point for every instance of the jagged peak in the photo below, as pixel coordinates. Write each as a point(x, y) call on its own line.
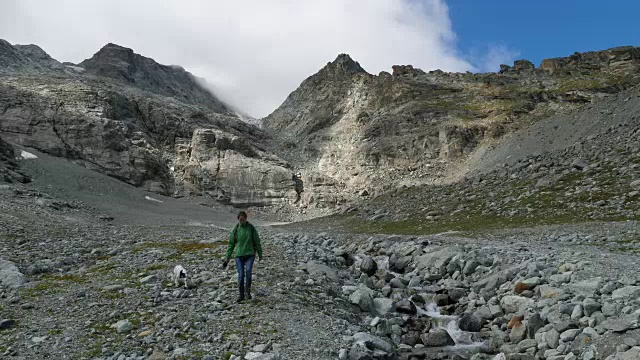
point(346, 63)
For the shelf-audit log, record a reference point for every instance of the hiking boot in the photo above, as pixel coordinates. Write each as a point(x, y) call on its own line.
point(240, 299)
point(249, 296)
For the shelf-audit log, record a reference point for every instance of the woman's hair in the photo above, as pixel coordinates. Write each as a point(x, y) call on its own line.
point(243, 214)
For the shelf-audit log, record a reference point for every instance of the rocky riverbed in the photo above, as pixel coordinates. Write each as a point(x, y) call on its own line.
point(76, 285)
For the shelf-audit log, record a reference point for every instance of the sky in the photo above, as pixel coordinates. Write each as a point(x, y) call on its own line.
point(253, 53)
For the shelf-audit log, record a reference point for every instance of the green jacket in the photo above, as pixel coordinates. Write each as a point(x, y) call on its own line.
point(245, 240)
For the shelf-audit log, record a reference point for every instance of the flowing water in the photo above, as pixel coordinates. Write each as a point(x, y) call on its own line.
point(466, 343)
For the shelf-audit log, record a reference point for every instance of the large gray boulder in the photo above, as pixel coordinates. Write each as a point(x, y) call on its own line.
point(382, 306)
point(363, 297)
point(512, 303)
point(439, 337)
point(627, 292)
point(10, 275)
point(368, 266)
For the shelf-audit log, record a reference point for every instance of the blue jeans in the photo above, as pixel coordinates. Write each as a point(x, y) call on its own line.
point(245, 267)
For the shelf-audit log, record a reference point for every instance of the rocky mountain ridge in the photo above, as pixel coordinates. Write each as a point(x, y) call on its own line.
point(358, 131)
point(129, 117)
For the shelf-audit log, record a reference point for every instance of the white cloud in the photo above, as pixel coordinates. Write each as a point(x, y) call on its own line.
point(492, 56)
point(255, 52)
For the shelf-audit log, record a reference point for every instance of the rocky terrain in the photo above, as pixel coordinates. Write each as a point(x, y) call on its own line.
point(150, 125)
point(75, 284)
point(348, 130)
point(568, 168)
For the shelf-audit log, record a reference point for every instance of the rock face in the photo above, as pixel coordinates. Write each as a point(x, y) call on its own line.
point(122, 64)
point(150, 125)
point(9, 170)
point(350, 130)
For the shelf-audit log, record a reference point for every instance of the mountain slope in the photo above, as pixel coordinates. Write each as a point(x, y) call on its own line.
point(122, 64)
point(146, 124)
point(364, 132)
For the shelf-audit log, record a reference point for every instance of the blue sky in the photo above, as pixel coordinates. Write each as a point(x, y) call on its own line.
point(537, 30)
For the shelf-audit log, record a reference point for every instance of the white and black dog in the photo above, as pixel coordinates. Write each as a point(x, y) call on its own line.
point(179, 273)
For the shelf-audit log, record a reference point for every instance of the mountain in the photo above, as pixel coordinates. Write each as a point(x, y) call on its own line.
point(150, 125)
point(352, 132)
point(25, 58)
point(122, 64)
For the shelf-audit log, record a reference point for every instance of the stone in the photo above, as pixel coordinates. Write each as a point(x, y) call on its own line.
point(515, 320)
point(520, 287)
point(631, 354)
point(588, 287)
point(415, 281)
point(470, 322)
point(438, 337)
point(373, 342)
point(122, 326)
point(470, 267)
point(343, 354)
point(526, 344)
point(181, 352)
point(620, 324)
point(576, 314)
point(552, 338)
point(406, 307)
point(581, 343)
point(569, 335)
point(157, 355)
point(534, 323)
point(10, 275)
point(590, 306)
point(6, 324)
point(548, 292)
point(382, 306)
point(396, 283)
point(112, 288)
point(261, 348)
point(562, 278)
point(441, 299)
point(627, 292)
point(318, 270)
point(363, 297)
point(512, 303)
point(518, 333)
point(149, 279)
point(368, 266)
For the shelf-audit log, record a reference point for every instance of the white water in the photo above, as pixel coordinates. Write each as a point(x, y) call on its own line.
point(449, 323)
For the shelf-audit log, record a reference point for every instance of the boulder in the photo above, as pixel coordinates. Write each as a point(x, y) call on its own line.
point(470, 322)
point(406, 307)
point(513, 303)
point(368, 266)
point(363, 297)
point(318, 270)
point(627, 292)
point(373, 342)
point(438, 337)
point(382, 306)
point(10, 275)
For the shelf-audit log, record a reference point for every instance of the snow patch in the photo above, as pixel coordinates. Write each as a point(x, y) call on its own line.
point(152, 199)
point(27, 155)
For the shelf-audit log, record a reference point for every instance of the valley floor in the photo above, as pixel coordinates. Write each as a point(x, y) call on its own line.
point(98, 289)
